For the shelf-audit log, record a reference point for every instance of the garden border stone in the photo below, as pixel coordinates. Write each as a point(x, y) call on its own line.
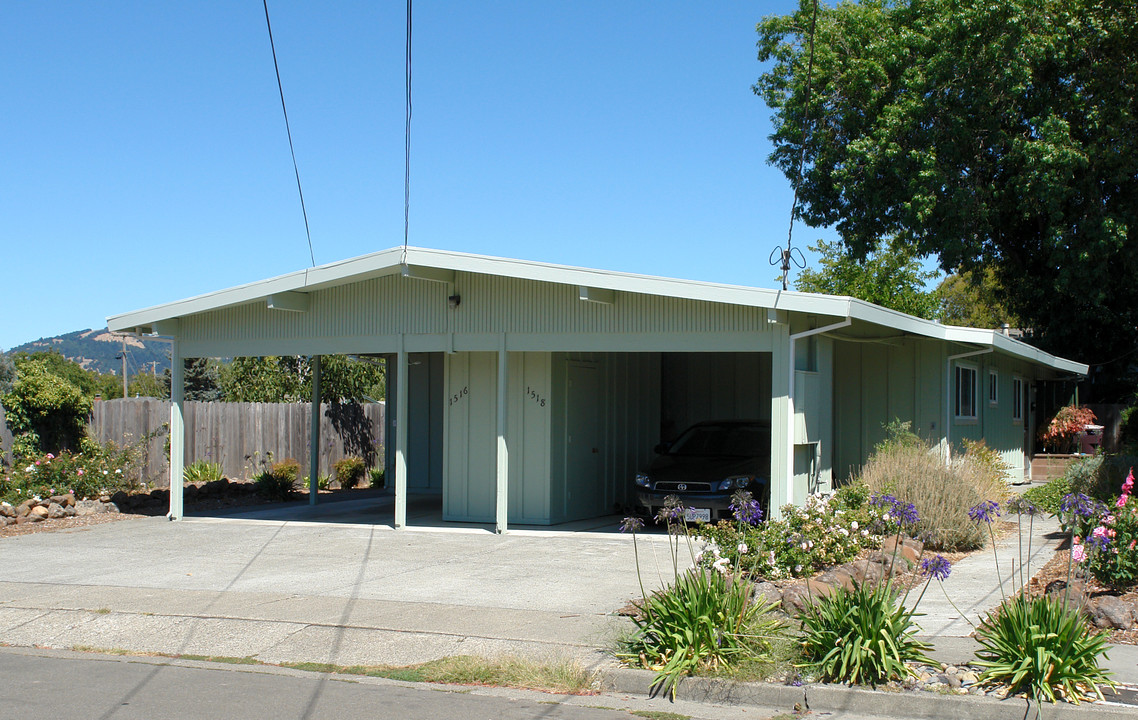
point(862, 701)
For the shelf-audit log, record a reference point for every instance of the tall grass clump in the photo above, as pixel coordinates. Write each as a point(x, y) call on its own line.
point(914, 471)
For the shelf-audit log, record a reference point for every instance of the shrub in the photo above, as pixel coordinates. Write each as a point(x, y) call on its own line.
point(942, 493)
point(349, 471)
point(278, 482)
point(706, 620)
point(1114, 541)
point(1047, 498)
point(860, 636)
point(201, 471)
point(48, 410)
point(806, 539)
point(1042, 647)
point(1099, 476)
point(98, 469)
point(323, 482)
point(377, 477)
point(1063, 429)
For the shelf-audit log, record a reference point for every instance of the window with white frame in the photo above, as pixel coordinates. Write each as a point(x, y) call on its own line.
point(965, 392)
point(1017, 400)
point(993, 387)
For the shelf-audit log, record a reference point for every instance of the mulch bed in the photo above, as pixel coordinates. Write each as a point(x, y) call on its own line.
point(1056, 571)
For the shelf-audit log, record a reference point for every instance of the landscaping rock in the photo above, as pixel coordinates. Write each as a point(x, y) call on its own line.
point(120, 499)
point(34, 516)
point(867, 572)
point(7, 510)
point(38, 511)
point(909, 549)
point(24, 508)
point(1058, 588)
point(62, 500)
point(768, 593)
point(88, 507)
point(6, 520)
point(55, 511)
point(1111, 611)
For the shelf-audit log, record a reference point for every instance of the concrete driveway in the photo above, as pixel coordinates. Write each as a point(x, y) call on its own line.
point(283, 590)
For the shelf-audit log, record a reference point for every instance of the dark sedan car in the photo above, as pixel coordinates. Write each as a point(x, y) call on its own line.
point(705, 466)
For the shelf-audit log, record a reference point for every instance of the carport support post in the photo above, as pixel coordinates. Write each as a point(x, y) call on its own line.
point(503, 456)
point(314, 435)
point(177, 429)
point(401, 438)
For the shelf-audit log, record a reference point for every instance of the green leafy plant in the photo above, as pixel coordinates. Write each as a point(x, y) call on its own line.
point(349, 471)
point(377, 477)
point(860, 636)
point(47, 410)
point(1115, 540)
point(201, 471)
point(278, 482)
point(1048, 497)
point(1042, 647)
point(704, 621)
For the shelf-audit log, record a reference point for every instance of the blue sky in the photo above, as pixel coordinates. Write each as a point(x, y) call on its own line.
point(145, 156)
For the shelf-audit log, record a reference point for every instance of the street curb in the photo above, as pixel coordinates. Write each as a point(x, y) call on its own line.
point(860, 701)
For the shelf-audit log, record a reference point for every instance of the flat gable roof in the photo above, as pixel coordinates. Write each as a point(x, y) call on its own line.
point(414, 260)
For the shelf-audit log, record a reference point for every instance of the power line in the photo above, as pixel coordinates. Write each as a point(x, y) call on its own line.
point(288, 130)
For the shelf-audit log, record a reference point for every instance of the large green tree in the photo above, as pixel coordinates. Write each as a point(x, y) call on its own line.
point(990, 134)
point(889, 276)
point(289, 379)
point(972, 299)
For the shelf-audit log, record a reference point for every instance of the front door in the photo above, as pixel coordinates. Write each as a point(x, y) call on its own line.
point(583, 481)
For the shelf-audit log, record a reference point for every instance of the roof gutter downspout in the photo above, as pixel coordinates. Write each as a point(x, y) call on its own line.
point(789, 479)
point(948, 397)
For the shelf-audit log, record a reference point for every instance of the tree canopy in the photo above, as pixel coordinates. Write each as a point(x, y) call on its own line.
point(971, 298)
point(998, 135)
point(289, 379)
point(888, 276)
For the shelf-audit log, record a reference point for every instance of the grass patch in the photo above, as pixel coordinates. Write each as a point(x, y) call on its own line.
point(564, 677)
point(103, 611)
point(659, 715)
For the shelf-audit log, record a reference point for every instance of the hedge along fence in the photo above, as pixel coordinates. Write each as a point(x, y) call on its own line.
point(239, 436)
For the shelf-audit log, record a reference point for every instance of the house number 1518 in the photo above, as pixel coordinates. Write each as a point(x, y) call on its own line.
point(533, 395)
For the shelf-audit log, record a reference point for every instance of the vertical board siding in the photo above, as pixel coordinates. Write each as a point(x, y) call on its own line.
point(470, 480)
point(241, 437)
point(390, 305)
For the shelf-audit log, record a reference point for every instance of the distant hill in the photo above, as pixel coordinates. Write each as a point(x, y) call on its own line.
point(99, 350)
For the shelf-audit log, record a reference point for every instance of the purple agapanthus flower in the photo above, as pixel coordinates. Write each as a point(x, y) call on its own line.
point(936, 567)
point(883, 501)
point(906, 513)
point(1021, 505)
point(673, 510)
point(986, 511)
point(746, 508)
point(1098, 540)
point(631, 524)
point(1078, 504)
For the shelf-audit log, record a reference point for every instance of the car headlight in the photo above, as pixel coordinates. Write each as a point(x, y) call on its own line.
point(724, 485)
point(739, 481)
point(642, 480)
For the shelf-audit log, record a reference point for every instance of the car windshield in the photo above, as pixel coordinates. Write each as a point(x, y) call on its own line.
point(731, 440)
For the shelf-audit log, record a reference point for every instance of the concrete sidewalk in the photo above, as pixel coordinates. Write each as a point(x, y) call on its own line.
point(974, 587)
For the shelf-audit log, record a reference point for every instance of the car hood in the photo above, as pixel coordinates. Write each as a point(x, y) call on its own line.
point(705, 469)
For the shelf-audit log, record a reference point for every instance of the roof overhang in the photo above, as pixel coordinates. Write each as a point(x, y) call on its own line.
point(289, 292)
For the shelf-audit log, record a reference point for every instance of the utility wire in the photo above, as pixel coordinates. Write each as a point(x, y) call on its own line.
point(288, 130)
point(802, 153)
point(407, 146)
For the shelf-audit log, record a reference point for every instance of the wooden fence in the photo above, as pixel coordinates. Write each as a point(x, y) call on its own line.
point(241, 437)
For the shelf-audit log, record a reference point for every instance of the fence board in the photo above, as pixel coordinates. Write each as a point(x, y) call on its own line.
point(241, 437)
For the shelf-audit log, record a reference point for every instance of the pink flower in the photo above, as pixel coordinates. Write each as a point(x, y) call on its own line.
point(1100, 531)
point(1129, 484)
point(1122, 500)
point(1077, 553)
point(1133, 543)
point(50, 456)
point(80, 472)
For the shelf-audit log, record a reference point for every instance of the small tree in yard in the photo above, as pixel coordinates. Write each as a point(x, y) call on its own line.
point(45, 411)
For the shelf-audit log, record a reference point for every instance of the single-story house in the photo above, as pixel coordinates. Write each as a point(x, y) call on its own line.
point(531, 393)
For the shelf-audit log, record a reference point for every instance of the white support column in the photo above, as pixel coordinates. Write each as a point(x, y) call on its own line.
point(401, 438)
point(503, 455)
point(177, 429)
point(314, 435)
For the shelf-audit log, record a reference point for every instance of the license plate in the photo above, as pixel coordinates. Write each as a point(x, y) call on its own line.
point(697, 514)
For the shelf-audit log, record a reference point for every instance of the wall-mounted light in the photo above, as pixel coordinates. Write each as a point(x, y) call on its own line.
point(454, 301)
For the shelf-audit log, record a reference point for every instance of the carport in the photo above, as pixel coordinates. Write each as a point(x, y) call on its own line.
point(531, 393)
